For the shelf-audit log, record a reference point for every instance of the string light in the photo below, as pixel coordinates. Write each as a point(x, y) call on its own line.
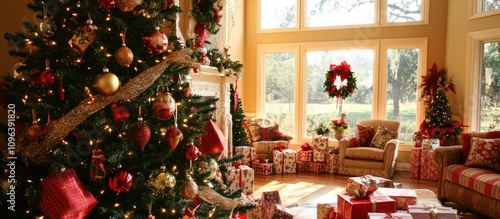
point(163, 210)
point(117, 205)
point(102, 192)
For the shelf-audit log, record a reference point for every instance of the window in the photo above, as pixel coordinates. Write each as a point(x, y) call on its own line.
point(292, 77)
point(483, 8)
point(483, 77)
point(320, 14)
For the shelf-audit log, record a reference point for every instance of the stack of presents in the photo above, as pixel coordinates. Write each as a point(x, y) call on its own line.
point(317, 158)
point(423, 166)
point(365, 197)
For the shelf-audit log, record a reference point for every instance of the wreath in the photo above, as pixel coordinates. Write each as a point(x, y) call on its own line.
point(340, 81)
point(207, 12)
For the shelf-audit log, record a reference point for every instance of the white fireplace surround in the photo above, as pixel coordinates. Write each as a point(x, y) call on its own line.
point(209, 82)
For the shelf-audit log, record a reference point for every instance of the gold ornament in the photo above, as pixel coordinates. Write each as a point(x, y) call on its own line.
point(189, 189)
point(107, 83)
point(207, 167)
point(14, 73)
point(162, 180)
point(124, 56)
point(127, 5)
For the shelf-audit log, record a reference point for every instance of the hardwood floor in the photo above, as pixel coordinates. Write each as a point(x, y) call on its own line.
point(311, 188)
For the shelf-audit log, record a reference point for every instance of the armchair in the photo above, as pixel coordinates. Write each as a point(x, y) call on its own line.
point(367, 159)
point(264, 135)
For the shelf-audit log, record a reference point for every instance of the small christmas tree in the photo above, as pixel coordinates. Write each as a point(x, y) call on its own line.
point(438, 123)
point(239, 134)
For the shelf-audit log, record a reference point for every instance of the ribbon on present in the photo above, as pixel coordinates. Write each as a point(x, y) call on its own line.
point(191, 210)
point(262, 160)
point(390, 216)
point(280, 147)
point(306, 147)
point(433, 210)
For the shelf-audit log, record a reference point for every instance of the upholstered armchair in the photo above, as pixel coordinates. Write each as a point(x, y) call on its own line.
point(265, 135)
point(373, 151)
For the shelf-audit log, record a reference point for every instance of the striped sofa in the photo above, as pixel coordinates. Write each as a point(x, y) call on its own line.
point(475, 188)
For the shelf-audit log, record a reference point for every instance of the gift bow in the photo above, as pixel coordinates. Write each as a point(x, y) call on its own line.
point(390, 216)
point(280, 148)
point(433, 210)
point(306, 147)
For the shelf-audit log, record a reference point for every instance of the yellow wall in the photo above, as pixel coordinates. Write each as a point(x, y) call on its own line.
point(435, 31)
point(459, 26)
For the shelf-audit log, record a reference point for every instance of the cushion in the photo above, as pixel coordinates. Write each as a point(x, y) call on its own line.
point(382, 136)
point(353, 142)
point(365, 153)
point(365, 135)
point(466, 140)
point(484, 153)
point(270, 133)
point(254, 130)
point(481, 180)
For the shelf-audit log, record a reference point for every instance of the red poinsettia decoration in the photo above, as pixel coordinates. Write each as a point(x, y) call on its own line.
point(435, 80)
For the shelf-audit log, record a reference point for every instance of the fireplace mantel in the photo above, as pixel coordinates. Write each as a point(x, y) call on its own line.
point(209, 82)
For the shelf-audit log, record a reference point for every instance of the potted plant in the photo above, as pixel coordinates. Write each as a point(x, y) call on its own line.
point(322, 129)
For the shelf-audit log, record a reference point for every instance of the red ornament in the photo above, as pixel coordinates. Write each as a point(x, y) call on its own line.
point(174, 136)
point(120, 112)
point(192, 152)
point(107, 5)
point(119, 180)
point(155, 42)
point(168, 4)
point(140, 134)
point(47, 78)
point(164, 106)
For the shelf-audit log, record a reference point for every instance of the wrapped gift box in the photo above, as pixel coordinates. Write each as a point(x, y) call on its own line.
point(320, 143)
point(262, 168)
point(284, 161)
point(319, 155)
point(326, 210)
point(268, 147)
point(398, 215)
point(366, 179)
point(241, 177)
point(403, 197)
point(415, 155)
point(430, 212)
point(316, 167)
point(302, 166)
point(398, 185)
point(248, 153)
point(253, 213)
point(428, 166)
point(268, 201)
point(351, 208)
point(281, 212)
point(332, 163)
point(304, 155)
point(268, 157)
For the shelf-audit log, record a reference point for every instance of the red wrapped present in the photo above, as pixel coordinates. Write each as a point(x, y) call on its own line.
point(320, 143)
point(428, 166)
point(403, 197)
point(214, 141)
point(248, 153)
point(367, 179)
point(316, 167)
point(63, 195)
point(284, 161)
point(268, 201)
point(351, 208)
point(319, 155)
point(332, 163)
point(432, 212)
point(326, 210)
point(281, 212)
point(302, 166)
point(415, 155)
point(241, 177)
point(304, 155)
point(262, 168)
point(397, 215)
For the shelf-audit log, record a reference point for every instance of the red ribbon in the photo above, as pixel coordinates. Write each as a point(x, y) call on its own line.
point(306, 147)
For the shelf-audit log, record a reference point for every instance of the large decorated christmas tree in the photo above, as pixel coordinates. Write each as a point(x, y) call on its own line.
point(102, 122)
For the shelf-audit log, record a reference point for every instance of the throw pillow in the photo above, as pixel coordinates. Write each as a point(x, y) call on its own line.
point(466, 140)
point(269, 133)
point(254, 131)
point(353, 142)
point(382, 136)
point(365, 135)
point(484, 153)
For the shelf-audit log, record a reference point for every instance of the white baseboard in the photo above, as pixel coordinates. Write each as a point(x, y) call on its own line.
point(403, 166)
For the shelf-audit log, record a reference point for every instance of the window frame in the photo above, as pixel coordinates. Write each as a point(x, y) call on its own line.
point(473, 65)
point(380, 20)
point(379, 95)
point(475, 11)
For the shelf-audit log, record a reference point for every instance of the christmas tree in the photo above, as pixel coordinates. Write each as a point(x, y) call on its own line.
point(239, 134)
point(438, 123)
point(101, 104)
